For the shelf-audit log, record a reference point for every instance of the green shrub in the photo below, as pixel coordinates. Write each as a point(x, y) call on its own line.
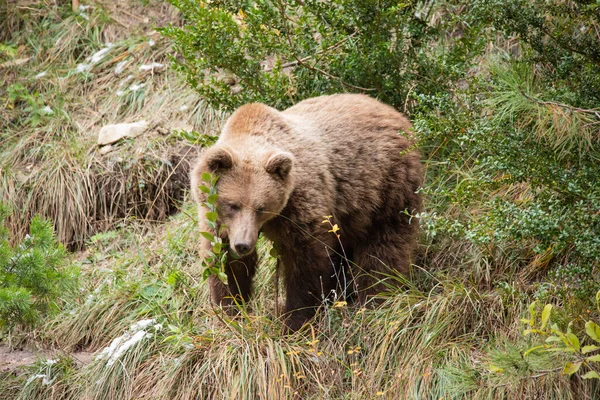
point(279, 51)
point(34, 275)
point(501, 92)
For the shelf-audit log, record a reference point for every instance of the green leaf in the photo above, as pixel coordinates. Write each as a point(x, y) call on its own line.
point(589, 349)
point(532, 313)
point(173, 278)
point(173, 328)
point(546, 315)
point(211, 216)
point(561, 349)
point(217, 248)
point(206, 177)
point(208, 235)
point(593, 330)
point(223, 277)
point(573, 341)
point(552, 339)
point(595, 358)
point(206, 274)
point(570, 368)
point(273, 253)
point(212, 199)
point(590, 375)
point(529, 331)
point(494, 368)
point(171, 338)
point(526, 353)
point(204, 189)
point(526, 321)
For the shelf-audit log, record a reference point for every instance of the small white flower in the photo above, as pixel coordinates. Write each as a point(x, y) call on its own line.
point(151, 42)
point(41, 74)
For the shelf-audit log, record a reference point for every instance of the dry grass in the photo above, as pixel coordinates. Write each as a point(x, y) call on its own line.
point(420, 344)
point(50, 164)
point(433, 340)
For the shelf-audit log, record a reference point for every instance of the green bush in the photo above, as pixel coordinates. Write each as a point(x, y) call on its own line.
point(282, 51)
point(502, 94)
point(34, 275)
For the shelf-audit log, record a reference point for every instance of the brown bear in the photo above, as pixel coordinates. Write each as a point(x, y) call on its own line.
point(346, 156)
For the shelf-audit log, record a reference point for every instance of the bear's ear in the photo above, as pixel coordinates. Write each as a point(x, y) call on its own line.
point(219, 160)
point(280, 164)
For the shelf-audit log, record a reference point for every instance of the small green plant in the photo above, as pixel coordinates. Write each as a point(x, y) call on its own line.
point(214, 262)
point(566, 344)
point(195, 138)
point(34, 275)
point(35, 106)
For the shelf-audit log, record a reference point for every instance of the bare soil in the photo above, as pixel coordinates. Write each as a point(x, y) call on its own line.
point(14, 360)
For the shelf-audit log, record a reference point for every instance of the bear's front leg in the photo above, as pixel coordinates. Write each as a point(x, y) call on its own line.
point(309, 278)
point(240, 274)
point(238, 289)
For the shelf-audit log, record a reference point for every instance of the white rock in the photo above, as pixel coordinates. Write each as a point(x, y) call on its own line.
point(82, 68)
point(112, 133)
point(106, 150)
point(143, 324)
point(150, 67)
point(135, 87)
point(46, 111)
point(120, 67)
point(99, 55)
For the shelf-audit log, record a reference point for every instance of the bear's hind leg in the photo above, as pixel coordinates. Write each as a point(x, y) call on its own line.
point(309, 279)
point(240, 273)
point(385, 253)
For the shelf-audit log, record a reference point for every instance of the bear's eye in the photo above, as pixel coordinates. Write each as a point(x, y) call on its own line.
point(260, 210)
point(233, 207)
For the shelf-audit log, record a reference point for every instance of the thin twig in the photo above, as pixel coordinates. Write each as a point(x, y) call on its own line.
point(332, 47)
point(301, 62)
point(595, 112)
point(538, 375)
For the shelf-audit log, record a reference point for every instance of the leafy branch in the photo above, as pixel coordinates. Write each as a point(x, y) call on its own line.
point(561, 342)
point(215, 258)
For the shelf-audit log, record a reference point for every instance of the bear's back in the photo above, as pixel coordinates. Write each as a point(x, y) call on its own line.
point(363, 114)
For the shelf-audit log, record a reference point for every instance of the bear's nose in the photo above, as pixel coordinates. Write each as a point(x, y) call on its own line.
point(242, 248)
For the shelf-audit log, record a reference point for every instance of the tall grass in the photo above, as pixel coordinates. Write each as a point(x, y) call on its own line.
point(49, 160)
point(431, 343)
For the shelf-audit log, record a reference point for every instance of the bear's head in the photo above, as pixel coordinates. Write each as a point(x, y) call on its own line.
point(255, 183)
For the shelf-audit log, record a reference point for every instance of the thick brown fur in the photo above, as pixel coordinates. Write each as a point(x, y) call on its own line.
point(348, 156)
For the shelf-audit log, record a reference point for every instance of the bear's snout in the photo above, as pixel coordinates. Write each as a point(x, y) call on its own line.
point(242, 248)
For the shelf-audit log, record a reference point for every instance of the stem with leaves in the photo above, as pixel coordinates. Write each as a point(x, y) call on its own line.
point(216, 257)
